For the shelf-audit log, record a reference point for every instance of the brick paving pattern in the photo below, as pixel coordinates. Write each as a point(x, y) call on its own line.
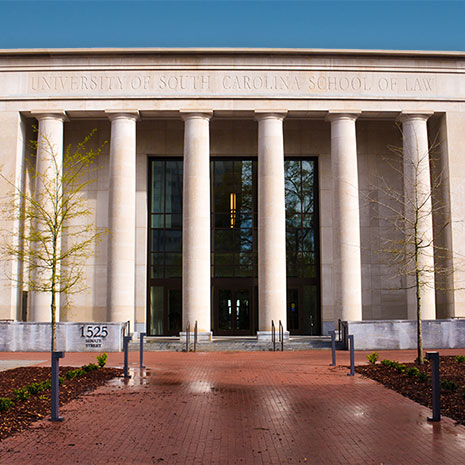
point(239, 408)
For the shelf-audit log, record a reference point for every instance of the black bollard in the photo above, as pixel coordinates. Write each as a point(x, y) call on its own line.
point(352, 355)
point(126, 340)
point(141, 349)
point(56, 386)
point(433, 357)
point(333, 348)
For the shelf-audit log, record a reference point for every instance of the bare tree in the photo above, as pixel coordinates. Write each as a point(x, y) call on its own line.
point(55, 235)
point(408, 215)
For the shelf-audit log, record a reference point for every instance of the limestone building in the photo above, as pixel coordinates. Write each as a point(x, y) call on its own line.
point(238, 185)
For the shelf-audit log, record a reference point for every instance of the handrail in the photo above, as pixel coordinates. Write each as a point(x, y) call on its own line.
point(339, 329)
point(281, 335)
point(273, 335)
point(188, 336)
point(126, 325)
point(195, 337)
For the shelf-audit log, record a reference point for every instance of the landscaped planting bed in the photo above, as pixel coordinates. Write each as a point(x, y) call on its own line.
point(25, 392)
point(414, 381)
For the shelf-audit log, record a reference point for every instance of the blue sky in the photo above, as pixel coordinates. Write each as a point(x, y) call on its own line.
point(410, 25)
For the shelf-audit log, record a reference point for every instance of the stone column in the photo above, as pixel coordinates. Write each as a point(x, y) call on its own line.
point(196, 272)
point(346, 216)
point(417, 200)
point(272, 285)
point(49, 141)
point(122, 217)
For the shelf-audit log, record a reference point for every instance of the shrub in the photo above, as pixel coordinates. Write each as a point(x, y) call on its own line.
point(5, 404)
point(460, 358)
point(21, 394)
point(102, 359)
point(61, 380)
point(412, 371)
point(71, 374)
point(35, 388)
point(422, 376)
point(400, 367)
point(46, 385)
point(90, 367)
point(387, 363)
point(373, 358)
point(448, 385)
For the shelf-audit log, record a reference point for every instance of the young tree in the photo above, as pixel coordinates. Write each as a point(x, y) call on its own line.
point(55, 235)
point(409, 212)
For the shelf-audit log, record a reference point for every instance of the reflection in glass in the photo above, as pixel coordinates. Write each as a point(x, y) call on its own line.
point(311, 312)
point(158, 186)
point(174, 309)
point(165, 242)
point(303, 314)
point(242, 309)
point(225, 309)
point(292, 309)
point(156, 310)
point(300, 216)
point(233, 209)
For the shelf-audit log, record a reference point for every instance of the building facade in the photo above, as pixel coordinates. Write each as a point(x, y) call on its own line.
point(245, 187)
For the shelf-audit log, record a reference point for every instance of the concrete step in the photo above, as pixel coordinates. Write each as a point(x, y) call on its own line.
point(224, 344)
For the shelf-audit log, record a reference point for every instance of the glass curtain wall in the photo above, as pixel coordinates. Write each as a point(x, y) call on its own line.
point(234, 246)
point(234, 249)
point(165, 247)
point(302, 246)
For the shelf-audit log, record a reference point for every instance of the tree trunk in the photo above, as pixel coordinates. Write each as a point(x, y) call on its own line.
point(418, 296)
point(54, 323)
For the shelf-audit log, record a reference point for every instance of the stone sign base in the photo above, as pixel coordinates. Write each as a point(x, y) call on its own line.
point(402, 334)
point(71, 337)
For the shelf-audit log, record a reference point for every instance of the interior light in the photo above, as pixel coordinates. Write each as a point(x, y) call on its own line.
point(232, 208)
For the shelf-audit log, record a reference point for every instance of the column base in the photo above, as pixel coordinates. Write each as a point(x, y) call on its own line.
point(201, 337)
point(266, 336)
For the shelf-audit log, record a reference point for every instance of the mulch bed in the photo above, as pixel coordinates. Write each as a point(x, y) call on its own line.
point(452, 401)
point(24, 412)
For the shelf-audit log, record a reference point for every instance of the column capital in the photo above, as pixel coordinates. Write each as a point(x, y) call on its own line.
point(195, 113)
point(270, 114)
point(126, 114)
point(414, 115)
point(40, 115)
point(343, 114)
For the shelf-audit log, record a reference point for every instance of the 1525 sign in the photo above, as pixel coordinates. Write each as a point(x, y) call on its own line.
point(94, 331)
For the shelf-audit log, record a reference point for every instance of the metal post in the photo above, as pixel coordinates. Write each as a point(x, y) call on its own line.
point(188, 336)
point(352, 355)
point(195, 337)
point(281, 335)
point(339, 329)
point(433, 357)
point(56, 385)
point(273, 335)
point(141, 349)
point(126, 340)
point(333, 348)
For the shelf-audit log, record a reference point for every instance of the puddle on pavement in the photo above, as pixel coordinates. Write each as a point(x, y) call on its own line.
point(138, 377)
point(144, 376)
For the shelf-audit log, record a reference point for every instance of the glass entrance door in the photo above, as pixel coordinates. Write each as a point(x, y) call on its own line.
point(233, 311)
point(165, 310)
point(303, 316)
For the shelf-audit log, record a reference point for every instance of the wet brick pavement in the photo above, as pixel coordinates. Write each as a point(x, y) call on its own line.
point(239, 408)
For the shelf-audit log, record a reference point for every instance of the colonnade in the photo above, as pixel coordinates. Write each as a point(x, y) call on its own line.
point(271, 212)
